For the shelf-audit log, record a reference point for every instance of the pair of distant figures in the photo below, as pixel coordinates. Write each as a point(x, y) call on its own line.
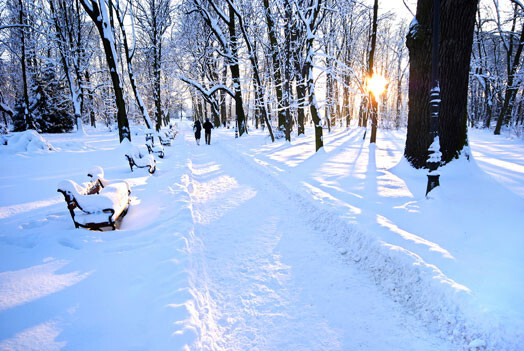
point(197, 128)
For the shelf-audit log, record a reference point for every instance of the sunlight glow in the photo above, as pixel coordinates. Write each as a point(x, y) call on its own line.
point(376, 84)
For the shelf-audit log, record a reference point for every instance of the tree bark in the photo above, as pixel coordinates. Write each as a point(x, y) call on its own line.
point(29, 123)
point(100, 21)
point(129, 58)
point(275, 55)
point(374, 105)
point(511, 90)
point(456, 40)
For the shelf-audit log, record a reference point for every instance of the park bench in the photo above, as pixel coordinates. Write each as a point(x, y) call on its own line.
point(155, 149)
point(96, 204)
point(171, 133)
point(166, 141)
point(149, 135)
point(140, 160)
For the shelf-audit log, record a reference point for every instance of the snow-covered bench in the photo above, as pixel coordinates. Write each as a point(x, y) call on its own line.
point(149, 135)
point(140, 160)
point(96, 204)
point(166, 141)
point(155, 149)
point(171, 133)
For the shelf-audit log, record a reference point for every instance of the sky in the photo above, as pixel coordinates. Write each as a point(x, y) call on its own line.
point(398, 7)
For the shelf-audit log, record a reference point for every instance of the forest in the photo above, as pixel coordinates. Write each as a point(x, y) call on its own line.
point(274, 64)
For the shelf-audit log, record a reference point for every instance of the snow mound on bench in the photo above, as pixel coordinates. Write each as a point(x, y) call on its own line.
point(141, 158)
point(29, 141)
point(115, 196)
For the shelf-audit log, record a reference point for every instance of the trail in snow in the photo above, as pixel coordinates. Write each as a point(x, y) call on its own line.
point(274, 283)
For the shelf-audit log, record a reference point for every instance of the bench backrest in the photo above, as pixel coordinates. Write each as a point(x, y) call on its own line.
point(71, 190)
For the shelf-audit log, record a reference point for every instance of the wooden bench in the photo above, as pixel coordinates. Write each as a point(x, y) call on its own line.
point(155, 149)
point(166, 141)
point(142, 162)
point(96, 204)
point(171, 133)
point(149, 136)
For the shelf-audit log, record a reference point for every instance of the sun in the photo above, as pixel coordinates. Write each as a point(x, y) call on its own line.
point(376, 85)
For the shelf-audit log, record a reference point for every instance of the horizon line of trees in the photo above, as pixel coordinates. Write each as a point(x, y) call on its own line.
point(281, 65)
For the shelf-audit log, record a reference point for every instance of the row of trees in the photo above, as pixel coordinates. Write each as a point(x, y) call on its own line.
point(274, 64)
point(302, 61)
point(496, 87)
point(67, 62)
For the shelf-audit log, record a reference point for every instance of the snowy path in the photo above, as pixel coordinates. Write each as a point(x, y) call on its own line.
point(272, 282)
point(252, 245)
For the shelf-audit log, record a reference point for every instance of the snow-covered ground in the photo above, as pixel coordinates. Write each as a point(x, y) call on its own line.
point(252, 245)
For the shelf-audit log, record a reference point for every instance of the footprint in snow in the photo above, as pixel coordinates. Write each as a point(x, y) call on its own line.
point(69, 243)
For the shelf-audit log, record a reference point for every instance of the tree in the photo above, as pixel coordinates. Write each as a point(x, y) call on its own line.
point(129, 54)
point(153, 19)
point(68, 36)
point(373, 98)
point(214, 17)
point(513, 63)
point(456, 39)
point(259, 91)
point(27, 118)
point(309, 12)
point(101, 13)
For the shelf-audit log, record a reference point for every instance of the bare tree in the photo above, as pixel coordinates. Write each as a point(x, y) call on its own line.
point(101, 13)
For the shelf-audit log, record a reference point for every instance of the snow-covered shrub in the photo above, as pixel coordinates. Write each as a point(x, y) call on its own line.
point(28, 141)
point(49, 108)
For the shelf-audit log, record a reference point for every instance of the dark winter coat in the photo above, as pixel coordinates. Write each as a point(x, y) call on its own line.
point(197, 128)
point(207, 126)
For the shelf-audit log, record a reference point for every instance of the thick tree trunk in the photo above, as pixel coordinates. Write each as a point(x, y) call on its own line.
point(456, 39)
point(101, 22)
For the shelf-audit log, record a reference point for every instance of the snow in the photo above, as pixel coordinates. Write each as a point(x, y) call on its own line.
point(435, 155)
point(252, 245)
point(27, 142)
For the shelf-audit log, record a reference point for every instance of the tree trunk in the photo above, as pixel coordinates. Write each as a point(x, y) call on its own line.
point(223, 106)
point(100, 20)
point(456, 40)
point(511, 90)
point(374, 105)
point(129, 57)
point(29, 124)
point(157, 57)
point(286, 101)
point(275, 55)
point(235, 75)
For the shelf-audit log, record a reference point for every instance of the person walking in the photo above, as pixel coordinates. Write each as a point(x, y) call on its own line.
point(197, 128)
point(207, 127)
